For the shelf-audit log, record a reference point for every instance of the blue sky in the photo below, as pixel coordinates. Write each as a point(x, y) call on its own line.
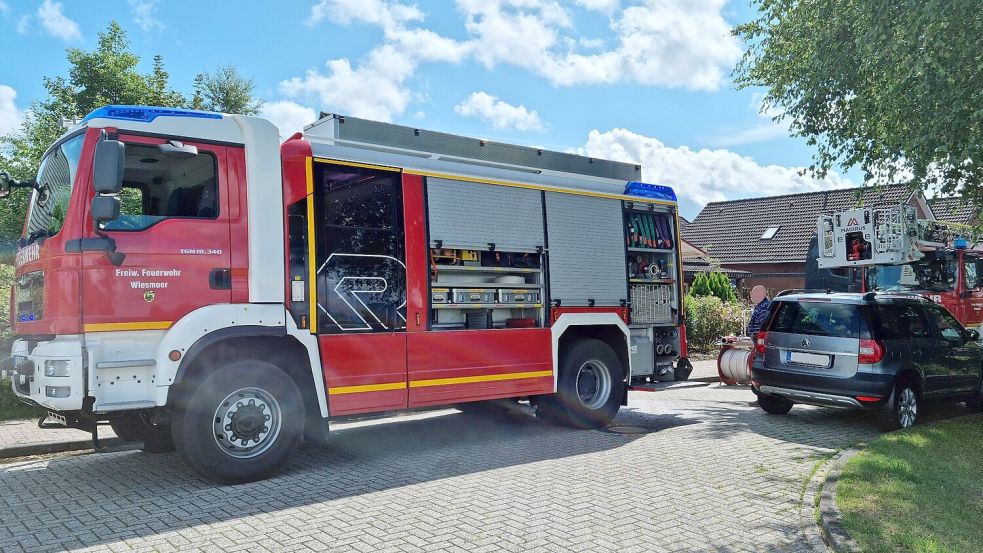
point(646, 81)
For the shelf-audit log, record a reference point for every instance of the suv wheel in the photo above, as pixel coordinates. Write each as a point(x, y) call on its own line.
point(774, 405)
point(905, 411)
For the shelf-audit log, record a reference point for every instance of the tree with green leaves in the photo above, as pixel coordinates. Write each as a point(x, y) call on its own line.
point(226, 91)
point(712, 283)
point(109, 74)
point(892, 87)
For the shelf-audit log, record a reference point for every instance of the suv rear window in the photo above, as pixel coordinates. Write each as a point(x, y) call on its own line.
point(818, 319)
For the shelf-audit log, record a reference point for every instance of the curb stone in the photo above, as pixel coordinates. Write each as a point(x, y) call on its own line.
point(812, 536)
point(833, 531)
point(45, 448)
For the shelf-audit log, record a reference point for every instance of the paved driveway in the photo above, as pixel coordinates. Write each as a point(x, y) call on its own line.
point(685, 470)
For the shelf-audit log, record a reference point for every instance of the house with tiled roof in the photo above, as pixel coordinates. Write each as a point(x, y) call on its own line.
point(955, 210)
point(769, 237)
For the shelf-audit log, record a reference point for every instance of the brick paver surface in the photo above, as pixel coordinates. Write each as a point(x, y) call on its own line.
point(23, 432)
point(693, 469)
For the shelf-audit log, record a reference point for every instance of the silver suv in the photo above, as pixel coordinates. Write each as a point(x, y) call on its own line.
point(879, 352)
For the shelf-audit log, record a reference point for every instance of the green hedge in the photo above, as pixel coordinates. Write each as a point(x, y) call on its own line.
point(10, 406)
point(708, 318)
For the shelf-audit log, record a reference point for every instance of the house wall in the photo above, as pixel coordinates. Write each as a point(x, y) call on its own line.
point(773, 276)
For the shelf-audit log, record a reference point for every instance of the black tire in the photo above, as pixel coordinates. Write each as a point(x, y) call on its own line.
point(131, 427)
point(774, 405)
point(595, 367)
point(903, 412)
point(240, 423)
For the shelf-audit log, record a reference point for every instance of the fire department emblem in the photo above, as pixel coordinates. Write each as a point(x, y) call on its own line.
point(149, 295)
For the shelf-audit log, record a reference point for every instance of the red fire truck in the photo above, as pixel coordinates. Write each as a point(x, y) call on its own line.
point(200, 286)
point(890, 249)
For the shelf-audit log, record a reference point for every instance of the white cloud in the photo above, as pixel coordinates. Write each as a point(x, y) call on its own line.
point(375, 89)
point(10, 117)
point(54, 21)
point(501, 115)
point(386, 14)
point(604, 6)
point(24, 24)
point(289, 117)
point(4, 8)
point(144, 14)
point(660, 42)
point(703, 175)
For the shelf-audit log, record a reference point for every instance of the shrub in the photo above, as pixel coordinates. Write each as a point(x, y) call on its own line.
point(713, 283)
point(708, 318)
point(10, 406)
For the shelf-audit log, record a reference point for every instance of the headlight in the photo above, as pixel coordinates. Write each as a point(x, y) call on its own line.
point(58, 367)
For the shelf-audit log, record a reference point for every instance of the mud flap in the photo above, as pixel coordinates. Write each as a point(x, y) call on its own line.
point(682, 369)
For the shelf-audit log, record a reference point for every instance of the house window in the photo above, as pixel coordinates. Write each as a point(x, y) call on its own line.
point(769, 233)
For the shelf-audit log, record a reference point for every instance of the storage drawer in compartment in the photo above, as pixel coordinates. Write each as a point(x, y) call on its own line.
point(509, 295)
point(474, 295)
point(440, 295)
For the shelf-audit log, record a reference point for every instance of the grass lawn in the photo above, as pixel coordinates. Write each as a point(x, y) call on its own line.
point(11, 408)
point(917, 490)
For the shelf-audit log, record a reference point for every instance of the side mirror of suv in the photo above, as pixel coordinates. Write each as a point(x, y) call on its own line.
point(974, 335)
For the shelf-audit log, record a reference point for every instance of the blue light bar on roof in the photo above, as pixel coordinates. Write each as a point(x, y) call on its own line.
point(146, 114)
point(653, 191)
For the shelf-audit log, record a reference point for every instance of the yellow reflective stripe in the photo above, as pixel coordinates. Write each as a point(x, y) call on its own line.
point(311, 261)
point(366, 388)
point(355, 164)
point(536, 187)
point(480, 378)
point(437, 382)
point(109, 327)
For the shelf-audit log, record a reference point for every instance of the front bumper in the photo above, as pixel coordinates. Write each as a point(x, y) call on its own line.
point(828, 391)
point(26, 370)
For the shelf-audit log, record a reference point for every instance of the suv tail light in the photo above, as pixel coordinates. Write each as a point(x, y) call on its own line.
point(871, 351)
point(759, 343)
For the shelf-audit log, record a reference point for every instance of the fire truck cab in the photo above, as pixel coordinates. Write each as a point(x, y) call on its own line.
point(200, 286)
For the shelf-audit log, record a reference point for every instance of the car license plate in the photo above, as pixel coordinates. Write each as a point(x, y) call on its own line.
point(803, 358)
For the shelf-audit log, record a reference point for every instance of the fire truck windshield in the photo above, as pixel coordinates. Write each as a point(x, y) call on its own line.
point(49, 199)
point(936, 275)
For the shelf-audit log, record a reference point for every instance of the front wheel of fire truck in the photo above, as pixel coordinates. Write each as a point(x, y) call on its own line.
point(589, 389)
point(241, 423)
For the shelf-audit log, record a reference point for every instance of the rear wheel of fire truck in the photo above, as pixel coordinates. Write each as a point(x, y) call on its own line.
point(241, 422)
point(590, 387)
point(133, 427)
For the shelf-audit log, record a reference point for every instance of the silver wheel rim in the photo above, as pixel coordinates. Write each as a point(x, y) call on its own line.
point(247, 422)
point(907, 408)
point(593, 384)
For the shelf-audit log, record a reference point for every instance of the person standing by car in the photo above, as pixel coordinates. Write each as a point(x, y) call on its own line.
point(759, 297)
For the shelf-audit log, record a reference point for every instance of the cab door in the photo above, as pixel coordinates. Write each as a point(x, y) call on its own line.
point(173, 234)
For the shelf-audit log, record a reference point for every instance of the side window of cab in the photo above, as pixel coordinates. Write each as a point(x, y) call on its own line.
point(158, 187)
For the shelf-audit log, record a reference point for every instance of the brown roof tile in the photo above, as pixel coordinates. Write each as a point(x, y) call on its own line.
point(954, 210)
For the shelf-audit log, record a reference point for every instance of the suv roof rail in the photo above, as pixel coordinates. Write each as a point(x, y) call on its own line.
point(803, 291)
point(870, 296)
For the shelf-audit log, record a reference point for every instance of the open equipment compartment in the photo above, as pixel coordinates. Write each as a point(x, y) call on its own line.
point(485, 272)
point(653, 270)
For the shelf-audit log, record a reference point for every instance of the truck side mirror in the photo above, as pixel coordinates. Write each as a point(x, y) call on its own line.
point(107, 167)
point(105, 209)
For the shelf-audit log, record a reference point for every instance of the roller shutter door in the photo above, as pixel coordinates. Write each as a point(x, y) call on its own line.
point(586, 250)
point(469, 215)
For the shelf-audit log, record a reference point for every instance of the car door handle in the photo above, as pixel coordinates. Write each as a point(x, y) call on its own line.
point(220, 279)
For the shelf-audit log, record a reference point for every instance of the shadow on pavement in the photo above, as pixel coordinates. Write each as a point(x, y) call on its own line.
point(105, 498)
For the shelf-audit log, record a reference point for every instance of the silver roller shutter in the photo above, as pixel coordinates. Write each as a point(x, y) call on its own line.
point(586, 250)
point(470, 215)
